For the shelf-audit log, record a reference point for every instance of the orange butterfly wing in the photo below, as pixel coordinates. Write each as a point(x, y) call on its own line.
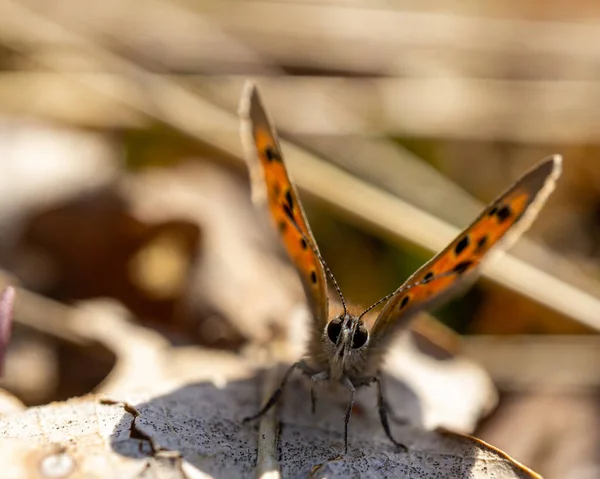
point(503, 221)
point(271, 182)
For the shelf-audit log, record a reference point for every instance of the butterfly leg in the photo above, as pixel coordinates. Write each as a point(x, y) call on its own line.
point(390, 412)
point(381, 407)
point(277, 394)
point(315, 378)
point(393, 416)
point(350, 387)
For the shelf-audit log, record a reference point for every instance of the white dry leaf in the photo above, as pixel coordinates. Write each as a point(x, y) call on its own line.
point(453, 393)
point(177, 412)
point(9, 403)
point(44, 164)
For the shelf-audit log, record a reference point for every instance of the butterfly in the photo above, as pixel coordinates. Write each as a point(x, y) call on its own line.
point(343, 349)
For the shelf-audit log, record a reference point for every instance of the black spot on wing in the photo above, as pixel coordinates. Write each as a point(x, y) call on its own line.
point(461, 267)
point(272, 154)
point(289, 200)
point(504, 213)
point(481, 242)
point(303, 244)
point(288, 212)
point(313, 277)
point(404, 302)
point(461, 245)
point(428, 277)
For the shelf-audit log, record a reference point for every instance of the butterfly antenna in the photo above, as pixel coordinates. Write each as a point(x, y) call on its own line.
point(406, 288)
point(314, 249)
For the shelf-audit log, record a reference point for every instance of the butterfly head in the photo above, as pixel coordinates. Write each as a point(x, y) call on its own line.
point(345, 339)
point(347, 332)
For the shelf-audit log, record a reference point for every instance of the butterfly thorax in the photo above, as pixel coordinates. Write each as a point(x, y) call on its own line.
point(341, 348)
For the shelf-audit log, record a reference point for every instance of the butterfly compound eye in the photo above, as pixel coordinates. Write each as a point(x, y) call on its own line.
point(334, 328)
point(360, 338)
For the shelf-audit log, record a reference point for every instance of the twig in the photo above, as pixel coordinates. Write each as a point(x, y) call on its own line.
point(7, 300)
point(267, 463)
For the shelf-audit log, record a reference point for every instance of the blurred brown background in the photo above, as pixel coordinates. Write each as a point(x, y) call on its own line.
point(121, 176)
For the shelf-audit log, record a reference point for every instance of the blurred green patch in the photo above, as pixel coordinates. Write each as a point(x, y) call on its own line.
point(368, 268)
